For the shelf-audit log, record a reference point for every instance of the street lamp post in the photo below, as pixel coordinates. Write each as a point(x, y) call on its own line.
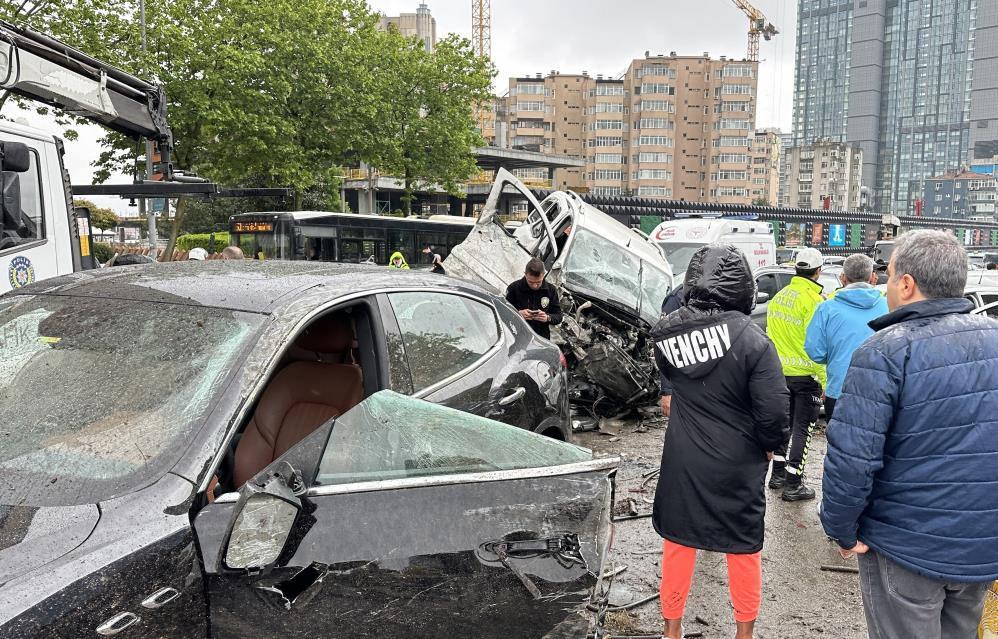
point(144, 205)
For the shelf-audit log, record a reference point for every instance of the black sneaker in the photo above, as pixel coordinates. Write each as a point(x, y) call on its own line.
point(778, 478)
point(797, 492)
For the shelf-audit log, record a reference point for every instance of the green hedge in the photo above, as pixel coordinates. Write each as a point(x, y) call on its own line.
point(192, 240)
point(102, 252)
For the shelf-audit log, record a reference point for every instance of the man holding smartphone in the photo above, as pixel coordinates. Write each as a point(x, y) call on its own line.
point(535, 299)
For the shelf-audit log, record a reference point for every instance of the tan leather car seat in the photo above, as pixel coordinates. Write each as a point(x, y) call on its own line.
point(302, 396)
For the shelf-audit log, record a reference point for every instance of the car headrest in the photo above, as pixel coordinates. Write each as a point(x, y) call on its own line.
point(330, 334)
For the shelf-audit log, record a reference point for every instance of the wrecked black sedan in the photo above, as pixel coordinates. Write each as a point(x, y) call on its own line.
point(206, 450)
point(611, 280)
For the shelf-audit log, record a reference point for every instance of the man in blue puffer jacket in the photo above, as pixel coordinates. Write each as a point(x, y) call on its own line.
point(840, 324)
point(911, 475)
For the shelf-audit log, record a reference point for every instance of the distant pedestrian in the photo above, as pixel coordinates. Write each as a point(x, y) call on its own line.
point(535, 299)
point(841, 324)
point(232, 253)
point(787, 317)
point(436, 261)
point(397, 261)
point(727, 416)
point(197, 254)
point(911, 475)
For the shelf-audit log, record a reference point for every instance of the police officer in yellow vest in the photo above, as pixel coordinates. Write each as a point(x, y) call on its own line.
point(787, 317)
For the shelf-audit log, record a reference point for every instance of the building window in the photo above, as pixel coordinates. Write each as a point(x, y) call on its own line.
point(739, 71)
point(656, 123)
point(653, 174)
point(530, 89)
point(609, 174)
point(608, 158)
point(654, 140)
point(654, 191)
point(657, 105)
point(731, 158)
point(607, 89)
point(665, 158)
point(736, 89)
point(602, 141)
point(654, 88)
point(608, 125)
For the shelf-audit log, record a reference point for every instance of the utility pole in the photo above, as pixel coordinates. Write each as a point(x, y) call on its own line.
point(144, 205)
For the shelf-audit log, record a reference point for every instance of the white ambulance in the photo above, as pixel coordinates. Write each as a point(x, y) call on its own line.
point(679, 239)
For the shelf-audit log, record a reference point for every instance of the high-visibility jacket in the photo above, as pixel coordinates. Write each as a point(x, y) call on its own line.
point(787, 317)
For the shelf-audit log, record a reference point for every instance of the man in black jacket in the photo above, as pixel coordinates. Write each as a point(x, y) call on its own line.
point(535, 299)
point(728, 414)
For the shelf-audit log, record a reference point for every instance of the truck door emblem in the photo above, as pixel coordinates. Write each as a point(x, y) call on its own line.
point(21, 272)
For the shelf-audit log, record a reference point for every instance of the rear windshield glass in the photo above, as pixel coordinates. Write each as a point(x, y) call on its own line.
point(679, 254)
point(99, 397)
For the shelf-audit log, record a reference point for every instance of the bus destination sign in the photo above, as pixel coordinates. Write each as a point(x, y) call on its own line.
point(252, 227)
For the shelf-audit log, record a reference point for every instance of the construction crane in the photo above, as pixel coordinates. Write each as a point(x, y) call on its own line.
point(481, 27)
point(481, 42)
point(758, 26)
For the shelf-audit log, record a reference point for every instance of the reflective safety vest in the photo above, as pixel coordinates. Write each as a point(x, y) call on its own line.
point(787, 317)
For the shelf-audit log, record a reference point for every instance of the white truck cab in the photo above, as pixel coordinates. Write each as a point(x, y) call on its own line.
point(679, 239)
point(41, 234)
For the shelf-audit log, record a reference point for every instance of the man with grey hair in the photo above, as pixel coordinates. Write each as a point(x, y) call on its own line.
point(840, 324)
point(911, 474)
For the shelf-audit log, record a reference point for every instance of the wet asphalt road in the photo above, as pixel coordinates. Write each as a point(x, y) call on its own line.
point(798, 598)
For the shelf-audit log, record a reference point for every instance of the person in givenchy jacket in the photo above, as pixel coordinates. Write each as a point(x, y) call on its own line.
point(728, 414)
point(911, 475)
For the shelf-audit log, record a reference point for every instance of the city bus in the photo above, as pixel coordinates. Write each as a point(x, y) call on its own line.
point(345, 237)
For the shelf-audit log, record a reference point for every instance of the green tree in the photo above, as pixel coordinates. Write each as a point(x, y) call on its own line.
point(276, 91)
point(760, 201)
point(425, 130)
point(100, 217)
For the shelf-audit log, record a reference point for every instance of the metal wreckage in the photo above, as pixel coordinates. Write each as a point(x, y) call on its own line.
point(611, 282)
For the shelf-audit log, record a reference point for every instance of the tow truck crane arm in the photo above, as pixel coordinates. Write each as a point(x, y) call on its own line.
point(38, 67)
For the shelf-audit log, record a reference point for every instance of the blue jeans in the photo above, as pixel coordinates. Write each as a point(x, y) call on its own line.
point(901, 604)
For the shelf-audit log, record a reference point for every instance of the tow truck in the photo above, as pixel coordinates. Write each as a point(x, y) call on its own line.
point(42, 234)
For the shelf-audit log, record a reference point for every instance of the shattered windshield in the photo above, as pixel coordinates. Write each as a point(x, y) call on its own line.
point(99, 397)
point(655, 287)
point(599, 267)
point(391, 436)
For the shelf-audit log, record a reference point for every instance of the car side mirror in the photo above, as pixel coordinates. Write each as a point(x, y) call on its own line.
point(264, 518)
point(15, 157)
point(761, 298)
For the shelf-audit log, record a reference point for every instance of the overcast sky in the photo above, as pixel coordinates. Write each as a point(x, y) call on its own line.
point(571, 36)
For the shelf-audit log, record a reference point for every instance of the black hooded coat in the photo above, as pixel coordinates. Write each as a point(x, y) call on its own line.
point(729, 407)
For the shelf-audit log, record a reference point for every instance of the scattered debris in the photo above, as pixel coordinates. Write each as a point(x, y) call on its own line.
point(834, 568)
point(700, 620)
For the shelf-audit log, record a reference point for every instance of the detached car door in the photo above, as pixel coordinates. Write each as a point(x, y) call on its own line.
point(414, 520)
point(493, 257)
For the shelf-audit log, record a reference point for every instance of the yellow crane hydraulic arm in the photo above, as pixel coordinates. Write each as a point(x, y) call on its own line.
point(758, 26)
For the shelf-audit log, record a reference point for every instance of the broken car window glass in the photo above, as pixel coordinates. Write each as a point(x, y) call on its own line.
point(606, 270)
point(391, 436)
point(655, 287)
point(443, 334)
point(100, 396)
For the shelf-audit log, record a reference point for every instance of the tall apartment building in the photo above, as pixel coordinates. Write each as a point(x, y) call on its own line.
point(960, 194)
point(786, 143)
point(767, 154)
point(671, 127)
point(821, 81)
point(420, 25)
point(914, 83)
point(821, 170)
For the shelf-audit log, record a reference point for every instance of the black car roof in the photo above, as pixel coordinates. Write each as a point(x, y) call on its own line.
point(242, 285)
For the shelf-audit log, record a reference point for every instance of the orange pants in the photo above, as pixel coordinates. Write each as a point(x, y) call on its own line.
point(744, 581)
